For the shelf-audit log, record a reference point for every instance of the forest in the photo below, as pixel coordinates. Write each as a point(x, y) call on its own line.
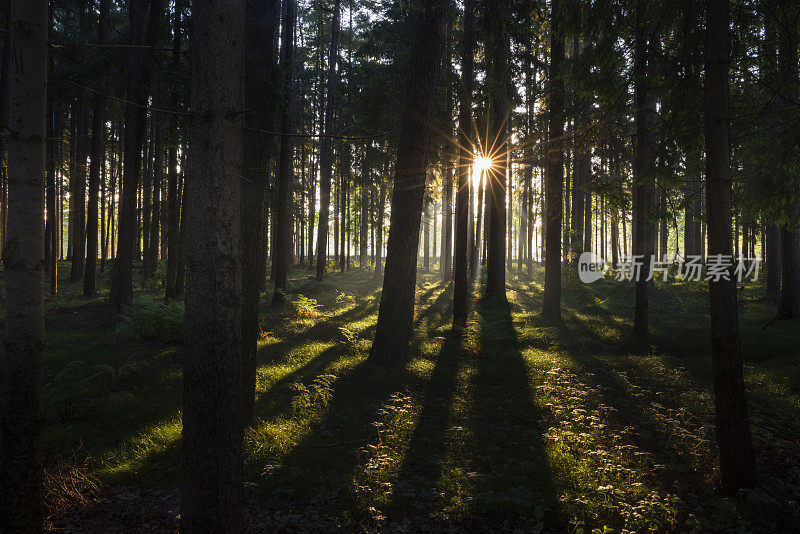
point(400, 266)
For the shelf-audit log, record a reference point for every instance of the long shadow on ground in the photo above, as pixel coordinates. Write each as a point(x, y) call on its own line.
point(513, 479)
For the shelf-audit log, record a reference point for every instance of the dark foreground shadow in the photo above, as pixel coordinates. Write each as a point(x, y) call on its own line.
point(514, 483)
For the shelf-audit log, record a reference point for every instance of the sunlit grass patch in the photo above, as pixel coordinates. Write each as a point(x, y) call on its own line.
point(151, 454)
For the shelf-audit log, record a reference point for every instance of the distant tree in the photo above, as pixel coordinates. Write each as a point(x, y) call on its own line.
point(97, 160)
point(737, 460)
point(281, 224)
point(172, 166)
point(138, 83)
point(22, 419)
point(396, 312)
point(325, 159)
point(211, 495)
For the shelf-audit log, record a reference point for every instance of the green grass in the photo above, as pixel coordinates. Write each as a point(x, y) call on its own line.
point(513, 424)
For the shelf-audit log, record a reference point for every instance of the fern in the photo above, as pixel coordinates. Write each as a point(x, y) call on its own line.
point(313, 398)
point(153, 319)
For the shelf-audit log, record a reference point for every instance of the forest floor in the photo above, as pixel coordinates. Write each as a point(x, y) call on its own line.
point(509, 426)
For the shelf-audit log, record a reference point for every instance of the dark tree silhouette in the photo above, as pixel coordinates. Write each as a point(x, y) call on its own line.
point(396, 312)
point(643, 189)
point(554, 171)
point(737, 460)
point(261, 23)
point(461, 260)
point(498, 52)
point(22, 419)
point(211, 493)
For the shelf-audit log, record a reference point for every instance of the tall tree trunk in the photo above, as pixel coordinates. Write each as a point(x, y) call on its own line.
point(282, 225)
point(396, 312)
point(645, 110)
point(737, 460)
point(551, 303)
point(180, 271)
point(51, 253)
point(145, 199)
point(785, 99)
point(78, 183)
point(477, 237)
point(211, 496)
point(22, 417)
point(379, 226)
point(363, 238)
point(447, 225)
point(261, 23)
point(138, 82)
point(325, 161)
point(426, 234)
point(498, 75)
point(98, 160)
point(155, 199)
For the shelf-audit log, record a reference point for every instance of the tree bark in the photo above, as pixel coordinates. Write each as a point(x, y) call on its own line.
point(551, 300)
point(737, 460)
point(23, 260)
point(645, 110)
point(498, 75)
point(396, 312)
point(211, 494)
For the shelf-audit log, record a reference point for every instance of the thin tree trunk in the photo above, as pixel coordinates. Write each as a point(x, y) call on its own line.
point(78, 182)
point(447, 226)
point(138, 83)
point(98, 160)
point(172, 166)
point(325, 163)
point(396, 312)
point(282, 225)
point(51, 250)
